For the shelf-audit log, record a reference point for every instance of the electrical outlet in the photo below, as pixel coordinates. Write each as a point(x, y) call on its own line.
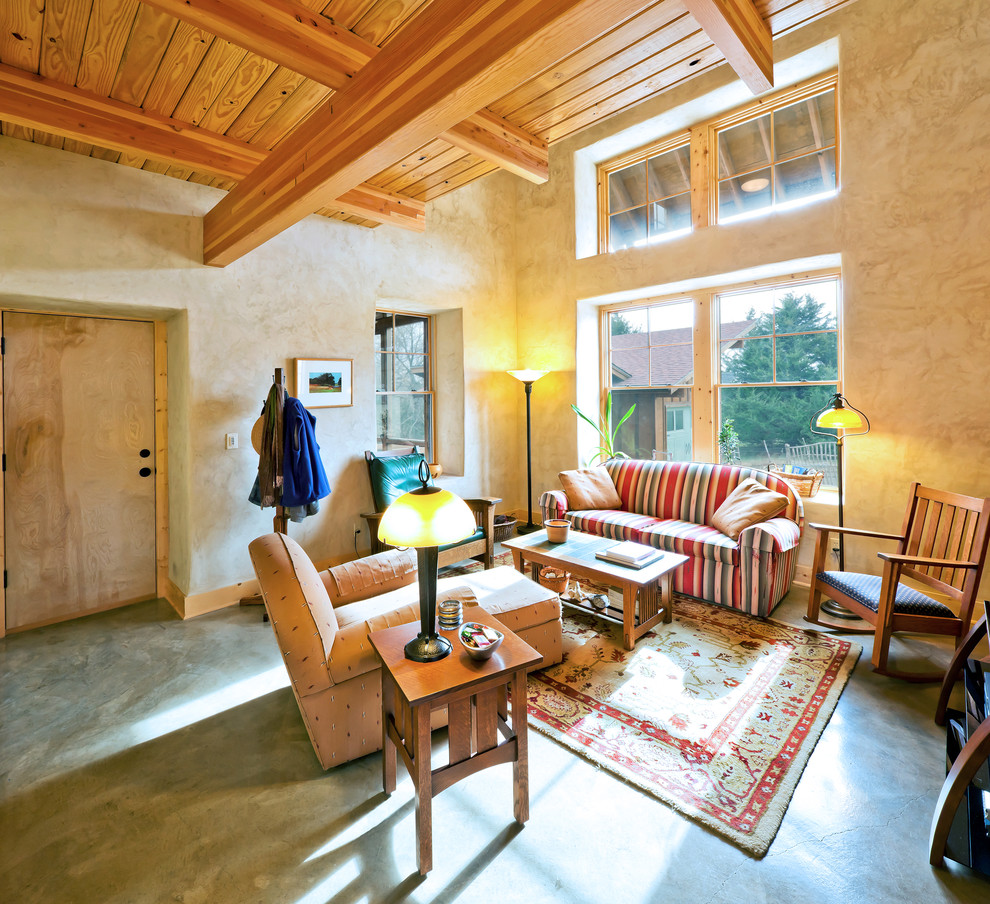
point(231, 440)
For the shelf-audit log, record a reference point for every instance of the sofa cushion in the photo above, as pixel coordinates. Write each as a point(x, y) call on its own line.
point(589, 488)
point(696, 540)
point(611, 523)
point(748, 504)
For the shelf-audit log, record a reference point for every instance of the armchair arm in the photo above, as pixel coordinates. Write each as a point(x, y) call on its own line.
point(852, 531)
point(925, 562)
point(482, 503)
point(372, 518)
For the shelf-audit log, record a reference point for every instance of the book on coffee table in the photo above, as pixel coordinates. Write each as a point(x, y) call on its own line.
point(630, 554)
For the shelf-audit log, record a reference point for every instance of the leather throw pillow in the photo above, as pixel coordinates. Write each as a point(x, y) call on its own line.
point(748, 504)
point(590, 488)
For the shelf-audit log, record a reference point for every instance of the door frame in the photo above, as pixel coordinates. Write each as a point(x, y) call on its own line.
point(163, 586)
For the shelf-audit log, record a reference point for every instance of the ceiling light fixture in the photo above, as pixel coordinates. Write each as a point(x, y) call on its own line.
point(751, 185)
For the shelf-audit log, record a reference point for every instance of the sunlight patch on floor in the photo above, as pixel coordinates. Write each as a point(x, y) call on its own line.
point(209, 705)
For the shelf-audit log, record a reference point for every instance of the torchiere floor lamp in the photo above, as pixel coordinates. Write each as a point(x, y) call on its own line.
point(840, 416)
point(528, 378)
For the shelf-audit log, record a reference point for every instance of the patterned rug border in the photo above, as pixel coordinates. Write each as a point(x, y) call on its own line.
point(757, 840)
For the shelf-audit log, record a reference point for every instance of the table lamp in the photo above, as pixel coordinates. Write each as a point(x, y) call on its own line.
point(426, 518)
point(528, 378)
point(845, 420)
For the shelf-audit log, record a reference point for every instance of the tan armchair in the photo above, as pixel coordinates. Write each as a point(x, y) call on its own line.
point(321, 621)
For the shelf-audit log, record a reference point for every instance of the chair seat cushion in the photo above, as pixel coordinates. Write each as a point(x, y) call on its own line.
point(865, 589)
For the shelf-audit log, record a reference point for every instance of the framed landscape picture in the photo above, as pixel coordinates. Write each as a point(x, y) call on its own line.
point(324, 382)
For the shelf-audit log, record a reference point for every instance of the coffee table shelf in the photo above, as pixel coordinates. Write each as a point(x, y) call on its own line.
point(646, 592)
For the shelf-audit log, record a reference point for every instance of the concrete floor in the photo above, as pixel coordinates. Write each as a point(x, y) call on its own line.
point(146, 759)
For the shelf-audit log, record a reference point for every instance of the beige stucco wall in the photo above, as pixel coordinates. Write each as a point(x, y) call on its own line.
point(910, 226)
point(82, 235)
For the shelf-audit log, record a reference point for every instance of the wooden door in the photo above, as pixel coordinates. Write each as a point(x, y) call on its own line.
point(79, 485)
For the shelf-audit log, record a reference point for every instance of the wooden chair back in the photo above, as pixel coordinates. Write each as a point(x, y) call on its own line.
point(943, 525)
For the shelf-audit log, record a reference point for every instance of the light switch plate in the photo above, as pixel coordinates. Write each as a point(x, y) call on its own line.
point(231, 440)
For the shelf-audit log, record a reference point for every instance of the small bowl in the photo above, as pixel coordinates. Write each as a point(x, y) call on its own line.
point(477, 652)
point(557, 530)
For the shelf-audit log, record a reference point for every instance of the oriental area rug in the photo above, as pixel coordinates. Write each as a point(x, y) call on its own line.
point(715, 714)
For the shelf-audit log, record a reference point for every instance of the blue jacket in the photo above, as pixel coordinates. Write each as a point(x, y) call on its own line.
point(304, 480)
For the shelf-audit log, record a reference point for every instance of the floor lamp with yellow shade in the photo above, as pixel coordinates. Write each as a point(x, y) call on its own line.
point(425, 519)
point(845, 420)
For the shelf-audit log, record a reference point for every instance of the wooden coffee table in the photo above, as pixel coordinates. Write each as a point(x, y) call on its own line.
point(648, 586)
point(474, 693)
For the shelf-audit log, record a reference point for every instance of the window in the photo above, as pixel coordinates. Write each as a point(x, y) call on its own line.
point(647, 200)
point(783, 157)
point(651, 366)
point(775, 153)
point(763, 357)
point(404, 381)
point(778, 362)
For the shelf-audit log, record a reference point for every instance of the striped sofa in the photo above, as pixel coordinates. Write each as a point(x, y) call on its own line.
point(669, 505)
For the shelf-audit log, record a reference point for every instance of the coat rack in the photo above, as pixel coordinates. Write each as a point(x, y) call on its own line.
point(280, 523)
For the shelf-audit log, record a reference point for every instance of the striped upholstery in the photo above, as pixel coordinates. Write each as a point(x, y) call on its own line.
point(669, 505)
point(865, 589)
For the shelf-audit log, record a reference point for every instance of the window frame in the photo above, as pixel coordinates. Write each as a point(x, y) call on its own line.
point(640, 155)
point(702, 142)
point(431, 442)
point(756, 109)
point(705, 398)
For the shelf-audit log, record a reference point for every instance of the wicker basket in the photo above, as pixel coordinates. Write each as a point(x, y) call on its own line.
point(504, 530)
point(805, 485)
point(557, 583)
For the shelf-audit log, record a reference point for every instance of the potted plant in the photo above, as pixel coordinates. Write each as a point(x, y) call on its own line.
point(606, 433)
point(728, 443)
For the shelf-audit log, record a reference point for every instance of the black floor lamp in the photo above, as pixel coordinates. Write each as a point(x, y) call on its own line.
point(528, 378)
point(840, 416)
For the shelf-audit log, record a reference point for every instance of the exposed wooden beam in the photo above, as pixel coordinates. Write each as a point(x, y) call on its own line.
point(282, 31)
point(292, 35)
point(500, 142)
point(452, 58)
point(737, 29)
point(33, 102)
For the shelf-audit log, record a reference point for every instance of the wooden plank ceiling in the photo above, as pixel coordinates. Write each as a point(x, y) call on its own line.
point(207, 90)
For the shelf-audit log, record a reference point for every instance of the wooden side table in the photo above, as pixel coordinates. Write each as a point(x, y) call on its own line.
point(474, 693)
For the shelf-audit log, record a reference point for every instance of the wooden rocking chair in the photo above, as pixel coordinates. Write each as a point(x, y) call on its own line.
point(943, 545)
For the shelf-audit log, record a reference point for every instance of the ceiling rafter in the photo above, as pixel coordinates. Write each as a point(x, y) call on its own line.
point(33, 102)
point(450, 59)
point(741, 34)
point(294, 36)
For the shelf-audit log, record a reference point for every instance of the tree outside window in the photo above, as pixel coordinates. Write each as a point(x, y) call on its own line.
point(779, 363)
